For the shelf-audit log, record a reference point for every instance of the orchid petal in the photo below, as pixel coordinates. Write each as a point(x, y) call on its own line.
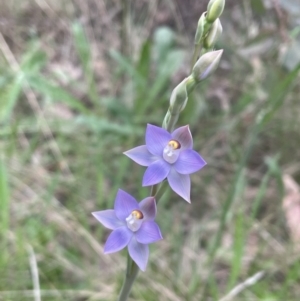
point(181, 184)
point(188, 162)
point(124, 205)
point(156, 173)
point(117, 240)
point(140, 155)
point(148, 233)
point(139, 253)
point(108, 219)
point(156, 139)
point(184, 137)
point(148, 207)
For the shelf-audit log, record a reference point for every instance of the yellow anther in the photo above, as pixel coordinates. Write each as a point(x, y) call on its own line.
point(137, 214)
point(174, 144)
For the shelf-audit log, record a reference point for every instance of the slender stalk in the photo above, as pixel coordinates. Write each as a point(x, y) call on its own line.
point(154, 189)
point(131, 273)
point(161, 190)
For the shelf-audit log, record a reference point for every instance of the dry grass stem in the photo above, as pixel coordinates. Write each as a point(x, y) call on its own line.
point(242, 286)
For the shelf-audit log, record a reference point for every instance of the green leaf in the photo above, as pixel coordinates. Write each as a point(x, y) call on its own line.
point(258, 6)
point(9, 95)
point(126, 65)
point(277, 96)
point(56, 93)
point(83, 47)
point(33, 60)
point(4, 198)
point(238, 249)
point(144, 63)
point(81, 44)
point(97, 124)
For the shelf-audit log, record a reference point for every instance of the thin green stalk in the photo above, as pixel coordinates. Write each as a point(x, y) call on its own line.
point(4, 211)
point(161, 190)
point(131, 273)
point(154, 189)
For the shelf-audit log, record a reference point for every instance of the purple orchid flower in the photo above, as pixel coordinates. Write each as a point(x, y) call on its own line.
point(133, 226)
point(168, 156)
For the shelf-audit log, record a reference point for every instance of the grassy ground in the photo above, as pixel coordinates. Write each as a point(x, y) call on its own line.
point(76, 91)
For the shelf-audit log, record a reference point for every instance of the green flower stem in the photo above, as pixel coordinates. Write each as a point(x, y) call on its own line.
point(131, 273)
point(154, 189)
point(161, 190)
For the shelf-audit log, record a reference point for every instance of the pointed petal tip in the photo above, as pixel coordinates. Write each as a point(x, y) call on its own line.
point(149, 125)
point(187, 199)
point(107, 252)
point(148, 207)
point(124, 204)
point(184, 136)
point(126, 152)
point(140, 155)
point(94, 213)
point(144, 183)
point(185, 127)
point(180, 184)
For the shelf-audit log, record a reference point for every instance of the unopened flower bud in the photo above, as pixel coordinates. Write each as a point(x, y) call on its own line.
point(213, 35)
point(206, 65)
point(179, 97)
point(200, 29)
point(214, 10)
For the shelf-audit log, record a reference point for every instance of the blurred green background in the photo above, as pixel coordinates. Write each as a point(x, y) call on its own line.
point(79, 80)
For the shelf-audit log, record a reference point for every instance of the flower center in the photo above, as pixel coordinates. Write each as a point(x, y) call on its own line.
point(171, 151)
point(135, 220)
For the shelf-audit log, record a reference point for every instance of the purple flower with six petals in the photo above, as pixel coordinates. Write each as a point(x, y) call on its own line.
point(168, 156)
point(133, 226)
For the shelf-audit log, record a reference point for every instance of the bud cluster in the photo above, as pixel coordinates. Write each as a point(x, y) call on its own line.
point(207, 34)
point(209, 26)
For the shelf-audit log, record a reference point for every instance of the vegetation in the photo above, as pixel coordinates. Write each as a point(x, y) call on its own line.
point(79, 80)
